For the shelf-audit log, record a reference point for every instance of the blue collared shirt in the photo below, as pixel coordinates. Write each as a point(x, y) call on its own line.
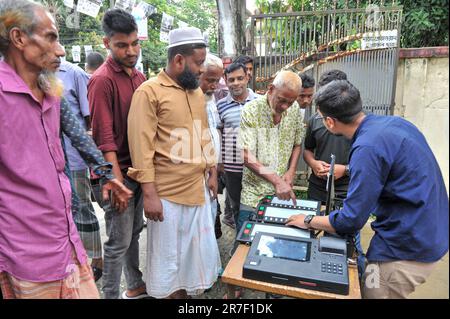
point(395, 176)
point(75, 82)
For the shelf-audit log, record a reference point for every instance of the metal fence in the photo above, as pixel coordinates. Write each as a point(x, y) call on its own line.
point(373, 72)
point(363, 42)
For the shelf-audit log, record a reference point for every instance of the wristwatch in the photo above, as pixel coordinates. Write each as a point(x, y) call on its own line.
point(104, 171)
point(308, 220)
point(347, 170)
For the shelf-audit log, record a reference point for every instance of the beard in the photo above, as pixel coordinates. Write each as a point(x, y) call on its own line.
point(209, 97)
point(127, 64)
point(188, 80)
point(49, 83)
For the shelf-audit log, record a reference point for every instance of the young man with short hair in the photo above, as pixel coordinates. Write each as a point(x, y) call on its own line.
point(319, 145)
point(230, 109)
point(75, 82)
point(93, 61)
point(110, 92)
point(248, 63)
point(396, 178)
point(306, 92)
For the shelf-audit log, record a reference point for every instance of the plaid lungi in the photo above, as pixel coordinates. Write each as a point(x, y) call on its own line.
point(78, 285)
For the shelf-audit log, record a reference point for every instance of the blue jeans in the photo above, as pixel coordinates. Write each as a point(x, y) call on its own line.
point(122, 247)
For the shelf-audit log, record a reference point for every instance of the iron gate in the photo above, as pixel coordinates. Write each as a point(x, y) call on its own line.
point(363, 42)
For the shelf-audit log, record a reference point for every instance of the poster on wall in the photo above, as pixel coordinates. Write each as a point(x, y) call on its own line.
point(68, 3)
point(379, 40)
point(147, 8)
point(124, 4)
point(182, 24)
point(76, 53)
point(142, 22)
point(89, 7)
point(87, 49)
point(166, 26)
point(139, 64)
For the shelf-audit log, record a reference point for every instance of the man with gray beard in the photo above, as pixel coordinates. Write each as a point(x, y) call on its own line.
point(209, 80)
point(41, 254)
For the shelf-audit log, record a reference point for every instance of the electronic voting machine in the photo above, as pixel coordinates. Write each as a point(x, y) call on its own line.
point(271, 216)
point(290, 256)
point(318, 264)
point(273, 210)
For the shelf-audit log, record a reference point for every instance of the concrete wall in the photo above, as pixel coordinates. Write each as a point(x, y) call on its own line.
point(423, 98)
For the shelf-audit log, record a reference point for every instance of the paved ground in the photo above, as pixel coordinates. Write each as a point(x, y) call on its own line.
point(225, 244)
point(435, 287)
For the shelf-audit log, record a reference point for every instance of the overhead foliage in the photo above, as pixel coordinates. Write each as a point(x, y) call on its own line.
point(80, 29)
point(425, 23)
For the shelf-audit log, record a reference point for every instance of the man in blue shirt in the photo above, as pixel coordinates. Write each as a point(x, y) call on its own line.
point(75, 82)
point(394, 176)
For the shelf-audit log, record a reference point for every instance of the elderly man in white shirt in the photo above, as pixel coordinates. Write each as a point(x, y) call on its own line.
point(209, 81)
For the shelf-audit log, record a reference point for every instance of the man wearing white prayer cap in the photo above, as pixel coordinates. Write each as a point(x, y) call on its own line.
point(174, 160)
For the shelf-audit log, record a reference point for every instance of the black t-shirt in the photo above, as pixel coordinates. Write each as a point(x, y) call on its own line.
point(323, 143)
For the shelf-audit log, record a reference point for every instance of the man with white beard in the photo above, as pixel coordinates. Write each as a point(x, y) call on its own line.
point(209, 81)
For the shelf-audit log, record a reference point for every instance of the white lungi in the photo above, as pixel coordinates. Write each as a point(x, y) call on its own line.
point(182, 251)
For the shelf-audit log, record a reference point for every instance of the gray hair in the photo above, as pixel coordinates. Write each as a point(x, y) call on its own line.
point(16, 14)
point(213, 61)
point(289, 80)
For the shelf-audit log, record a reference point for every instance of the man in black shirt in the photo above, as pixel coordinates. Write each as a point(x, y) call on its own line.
point(319, 144)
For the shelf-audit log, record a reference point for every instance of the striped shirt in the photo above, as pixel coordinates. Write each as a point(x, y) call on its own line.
point(213, 121)
point(230, 120)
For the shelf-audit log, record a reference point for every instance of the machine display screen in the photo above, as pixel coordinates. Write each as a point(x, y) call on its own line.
point(287, 231)
point(302, 203)
point(285, 212)
point(273, 247)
